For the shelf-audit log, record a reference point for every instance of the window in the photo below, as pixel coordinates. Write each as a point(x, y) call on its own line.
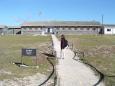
point(75, 28)
point(94, 28)
point(24, 29)
point(30, 28)
point(57, 28)
point(108, 29)
point(69, 28)
point(33, 28)
point(66, 28)
point(60, 28)
point(81, 28)
point(40, 28)
point(36, 28)
point(88, 29)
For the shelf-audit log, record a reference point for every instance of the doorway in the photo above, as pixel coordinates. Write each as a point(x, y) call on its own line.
point(50, 30)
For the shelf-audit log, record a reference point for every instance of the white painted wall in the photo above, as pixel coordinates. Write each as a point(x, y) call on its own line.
point(112, 28)
point(51, 30)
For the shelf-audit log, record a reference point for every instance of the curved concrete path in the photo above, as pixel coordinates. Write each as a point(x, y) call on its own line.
point(71, 72)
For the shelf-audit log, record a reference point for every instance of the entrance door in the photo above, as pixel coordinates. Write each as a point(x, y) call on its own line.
point(49, 30)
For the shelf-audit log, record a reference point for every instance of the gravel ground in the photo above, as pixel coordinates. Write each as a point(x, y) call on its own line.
point(34, 80)
point(71, 72)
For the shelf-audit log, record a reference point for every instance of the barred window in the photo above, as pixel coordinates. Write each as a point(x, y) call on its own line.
point(36, 28)
point(60, 28)
point(40, 28)
point(75, 28)
point(94, 28)
point(69, 29)
point(24, 28)
point(30, 28)
point(88, 29)
point(81, 28)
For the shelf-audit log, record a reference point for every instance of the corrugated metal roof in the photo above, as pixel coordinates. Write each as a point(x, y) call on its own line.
point(14, 26)
point(112, 25)
point(62, 23)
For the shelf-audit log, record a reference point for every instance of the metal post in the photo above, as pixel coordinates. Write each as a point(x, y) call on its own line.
point(36, 61)
point(102, 25)
point(13, 31)
point(102, 20)
point(22, 60)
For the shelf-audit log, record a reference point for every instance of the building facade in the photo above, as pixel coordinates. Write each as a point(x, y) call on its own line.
point(65, 27)
point(58, 27)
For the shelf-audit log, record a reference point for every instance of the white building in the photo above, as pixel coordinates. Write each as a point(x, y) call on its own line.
point(109, 29)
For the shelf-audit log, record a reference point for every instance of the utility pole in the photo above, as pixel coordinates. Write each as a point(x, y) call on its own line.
point(102, 20)
point(102, 32)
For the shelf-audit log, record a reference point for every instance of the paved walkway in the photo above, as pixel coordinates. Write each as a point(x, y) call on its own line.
point(71, 72)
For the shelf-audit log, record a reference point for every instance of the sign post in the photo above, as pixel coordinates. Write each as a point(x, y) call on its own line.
point(28, 52)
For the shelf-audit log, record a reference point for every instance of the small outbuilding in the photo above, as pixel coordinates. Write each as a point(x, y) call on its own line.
point(13, 30)
point(3, 29)
point(109, 29)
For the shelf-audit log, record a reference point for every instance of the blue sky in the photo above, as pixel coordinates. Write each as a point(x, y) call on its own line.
point(14, 12)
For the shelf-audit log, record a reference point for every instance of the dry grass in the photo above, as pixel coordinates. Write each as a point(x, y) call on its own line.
point(10, 51)
point(99, 51)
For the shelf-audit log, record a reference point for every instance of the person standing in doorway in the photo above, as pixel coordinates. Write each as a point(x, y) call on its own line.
point(64, 44)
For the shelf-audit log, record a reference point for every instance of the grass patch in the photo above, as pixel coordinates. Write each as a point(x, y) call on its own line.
point(99, 51)
point(10, 51)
